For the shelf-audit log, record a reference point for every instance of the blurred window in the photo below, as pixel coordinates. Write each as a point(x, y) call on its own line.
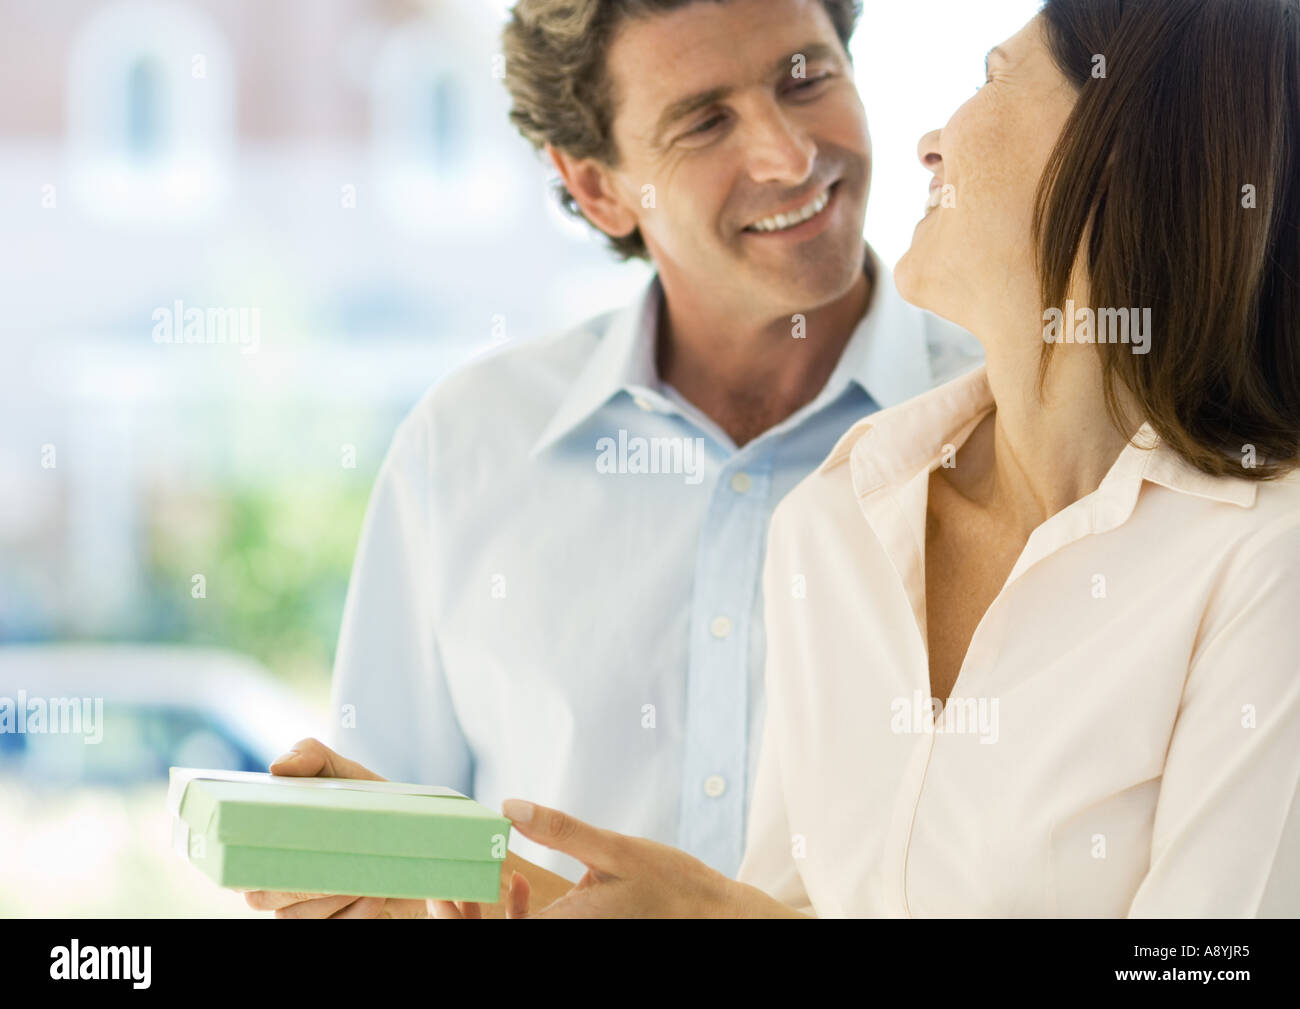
point(150, 113)
point(145, 105)
point(447, 135)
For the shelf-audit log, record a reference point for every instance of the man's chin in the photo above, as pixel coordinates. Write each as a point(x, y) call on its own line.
point(808, 280)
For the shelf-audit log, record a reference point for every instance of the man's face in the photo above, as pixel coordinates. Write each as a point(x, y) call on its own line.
point(783, 131)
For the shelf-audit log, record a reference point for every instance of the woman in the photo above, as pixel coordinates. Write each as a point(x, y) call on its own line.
point(1087, 552)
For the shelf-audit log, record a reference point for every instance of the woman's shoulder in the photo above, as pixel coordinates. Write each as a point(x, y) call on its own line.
point(1274, 518)
point(1248, 545)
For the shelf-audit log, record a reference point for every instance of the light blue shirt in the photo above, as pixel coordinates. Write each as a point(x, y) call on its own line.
point(557, 596)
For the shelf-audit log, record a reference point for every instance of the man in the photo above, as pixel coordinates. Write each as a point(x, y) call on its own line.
point(557, 588)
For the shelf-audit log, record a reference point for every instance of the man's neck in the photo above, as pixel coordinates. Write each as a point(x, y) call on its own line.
point(749, 376)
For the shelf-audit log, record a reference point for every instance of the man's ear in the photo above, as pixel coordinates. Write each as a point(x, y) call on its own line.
point(591, 190)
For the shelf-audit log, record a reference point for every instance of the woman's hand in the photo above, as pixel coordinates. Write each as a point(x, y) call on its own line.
point(627, 877)
point(549, 886)
point(515, 904)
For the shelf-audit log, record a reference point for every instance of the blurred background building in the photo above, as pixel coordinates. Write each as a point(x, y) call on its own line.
point(338, 179)
point(346, 168)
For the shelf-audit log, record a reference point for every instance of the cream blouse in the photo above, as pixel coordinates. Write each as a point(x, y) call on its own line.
point(1124, 734)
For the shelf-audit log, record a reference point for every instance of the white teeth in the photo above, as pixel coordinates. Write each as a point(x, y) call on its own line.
point(783, 221)
point(934, 199)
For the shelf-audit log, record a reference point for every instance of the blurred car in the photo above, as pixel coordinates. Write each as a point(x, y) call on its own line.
point(161, 706)
point(84, 826)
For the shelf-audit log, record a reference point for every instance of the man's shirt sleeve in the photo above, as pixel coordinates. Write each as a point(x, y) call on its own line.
point(391, 707)
point(952, 350)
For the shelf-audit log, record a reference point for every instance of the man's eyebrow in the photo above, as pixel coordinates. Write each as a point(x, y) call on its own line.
point(997, 51)
point(683, 107)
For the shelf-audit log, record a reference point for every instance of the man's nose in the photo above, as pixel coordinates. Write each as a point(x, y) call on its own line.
point(779, 150)
point(928, 150)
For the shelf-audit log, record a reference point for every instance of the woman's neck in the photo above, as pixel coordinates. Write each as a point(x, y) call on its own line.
point(1033, 457)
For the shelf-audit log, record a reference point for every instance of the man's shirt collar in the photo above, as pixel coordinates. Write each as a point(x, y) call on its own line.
point(887, 356)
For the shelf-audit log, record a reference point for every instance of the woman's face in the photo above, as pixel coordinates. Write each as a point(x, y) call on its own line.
point(972, 255)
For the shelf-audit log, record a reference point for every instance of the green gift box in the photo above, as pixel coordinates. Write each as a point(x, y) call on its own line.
point(256, 831)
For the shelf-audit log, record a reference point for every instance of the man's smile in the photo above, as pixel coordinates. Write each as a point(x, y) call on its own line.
point(804, 219)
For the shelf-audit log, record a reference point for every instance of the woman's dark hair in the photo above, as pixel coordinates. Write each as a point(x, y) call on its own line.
point(1180, 169)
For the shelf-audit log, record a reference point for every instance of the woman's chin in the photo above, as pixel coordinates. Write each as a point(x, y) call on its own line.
point(910, 278)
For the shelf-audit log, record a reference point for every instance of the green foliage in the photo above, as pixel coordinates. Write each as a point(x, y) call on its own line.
point(275, 562)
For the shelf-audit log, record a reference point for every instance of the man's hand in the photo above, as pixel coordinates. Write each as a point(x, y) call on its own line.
point(310, 758)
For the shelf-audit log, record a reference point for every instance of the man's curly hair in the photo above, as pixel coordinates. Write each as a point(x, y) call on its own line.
point(559, 89)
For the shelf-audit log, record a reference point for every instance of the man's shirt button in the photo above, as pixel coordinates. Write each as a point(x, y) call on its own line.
point(720, 627)
point(741, 483)
point(714, 785)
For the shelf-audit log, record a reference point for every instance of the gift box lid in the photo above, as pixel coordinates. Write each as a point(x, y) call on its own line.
point(349, 815)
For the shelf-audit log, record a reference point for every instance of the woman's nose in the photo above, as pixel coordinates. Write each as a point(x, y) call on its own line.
point(928, 150)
